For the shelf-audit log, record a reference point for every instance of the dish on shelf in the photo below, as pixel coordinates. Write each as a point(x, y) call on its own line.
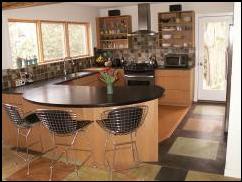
point(165, 20)
point(166, 44)
point(178, 20)
point(187, 19)
point(177, 45)
point(177, 36)
point(167, 36)
point(168, 29)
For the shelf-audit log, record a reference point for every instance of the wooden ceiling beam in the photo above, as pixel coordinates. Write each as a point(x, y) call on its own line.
point(14, 5)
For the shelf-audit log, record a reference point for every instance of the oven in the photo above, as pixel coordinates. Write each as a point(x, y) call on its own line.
point(132, 80)
point(139, 74)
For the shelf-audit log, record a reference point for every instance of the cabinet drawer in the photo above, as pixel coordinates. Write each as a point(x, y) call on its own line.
point(172, 73)
point(174, 83)
point(84, 81)
point(15, 99)
point(175, 97)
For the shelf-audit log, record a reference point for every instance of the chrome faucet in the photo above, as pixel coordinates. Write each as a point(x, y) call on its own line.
point(65, 71)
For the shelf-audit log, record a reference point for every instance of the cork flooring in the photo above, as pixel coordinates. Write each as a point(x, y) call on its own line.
point(194, 152)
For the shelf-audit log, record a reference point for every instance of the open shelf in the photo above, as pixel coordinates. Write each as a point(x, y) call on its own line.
point(112, 32)
point(183, 25)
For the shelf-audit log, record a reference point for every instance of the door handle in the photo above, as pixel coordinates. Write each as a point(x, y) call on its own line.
point(201, 64)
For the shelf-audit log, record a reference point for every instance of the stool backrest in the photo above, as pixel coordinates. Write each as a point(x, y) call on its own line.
point(14, 113)
point(58, 121)
point(124, 120)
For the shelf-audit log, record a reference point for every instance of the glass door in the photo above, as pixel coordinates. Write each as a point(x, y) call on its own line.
point(213, 56)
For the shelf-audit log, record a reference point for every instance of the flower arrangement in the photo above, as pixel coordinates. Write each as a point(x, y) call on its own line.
point(108, 76)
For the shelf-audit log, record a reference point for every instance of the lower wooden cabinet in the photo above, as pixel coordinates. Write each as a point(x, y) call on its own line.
point(178, 86)
point(92, 80)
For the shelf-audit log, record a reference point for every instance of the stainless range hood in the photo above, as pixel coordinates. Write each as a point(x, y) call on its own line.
point(144, 21)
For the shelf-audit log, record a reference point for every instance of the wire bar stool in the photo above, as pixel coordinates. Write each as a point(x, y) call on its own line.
point(62, 124)
point(24, 123)
point(122, 121)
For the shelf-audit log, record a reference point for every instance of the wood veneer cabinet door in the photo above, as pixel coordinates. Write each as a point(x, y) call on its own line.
point(9, 130)
point(84, 81)
point(178, 85)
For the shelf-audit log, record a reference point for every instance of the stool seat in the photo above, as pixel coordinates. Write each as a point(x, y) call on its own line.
point(81, 124)
point(29, 120)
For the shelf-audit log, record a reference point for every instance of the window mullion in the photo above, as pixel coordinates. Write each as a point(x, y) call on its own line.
point(87, 39)
point(40, 42)
point(67, 44)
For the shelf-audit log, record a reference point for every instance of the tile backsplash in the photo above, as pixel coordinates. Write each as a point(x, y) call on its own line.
point(45, 71)
point(141, 55)
point(143, 47)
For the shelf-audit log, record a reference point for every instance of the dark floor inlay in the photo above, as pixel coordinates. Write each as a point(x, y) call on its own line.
point(171, 174)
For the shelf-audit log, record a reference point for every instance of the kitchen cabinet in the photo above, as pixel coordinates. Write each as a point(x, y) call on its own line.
point(14, 99)
point(178, 86)
point(92, 80)
point(83, 81)
point(176, 29)
point(112, 32)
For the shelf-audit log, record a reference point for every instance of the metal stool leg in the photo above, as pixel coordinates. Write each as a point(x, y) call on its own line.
point(132, 147)
point(105, 150)
point(137, 152)
point(27, 149)
point(17, 143)
point(41, 143)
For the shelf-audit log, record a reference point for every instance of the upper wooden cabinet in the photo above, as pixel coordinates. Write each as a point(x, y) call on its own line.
point(176, 29)
point(112, 32)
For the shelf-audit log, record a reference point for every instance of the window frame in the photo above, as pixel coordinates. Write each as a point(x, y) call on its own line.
point(28, 21)
point(87, 41)
point(64, 33)
point(66, 38)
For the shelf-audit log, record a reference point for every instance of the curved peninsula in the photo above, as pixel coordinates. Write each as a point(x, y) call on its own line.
point(88, 102)
point(90, 96)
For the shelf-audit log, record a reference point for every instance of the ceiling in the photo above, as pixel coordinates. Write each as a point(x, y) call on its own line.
point(109, 4)
point(14, 5)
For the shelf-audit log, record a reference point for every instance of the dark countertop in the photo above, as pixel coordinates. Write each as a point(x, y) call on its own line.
point(59, 80)
point(86, 96)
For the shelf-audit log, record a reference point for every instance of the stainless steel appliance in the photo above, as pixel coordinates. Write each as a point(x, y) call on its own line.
point(139, 74)
point(228, 77)
point(144, 21)
point(176, 60)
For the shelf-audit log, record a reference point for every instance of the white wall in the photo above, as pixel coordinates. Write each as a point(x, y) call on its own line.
point(60, 11)
point(155, 8)
point(233, 156)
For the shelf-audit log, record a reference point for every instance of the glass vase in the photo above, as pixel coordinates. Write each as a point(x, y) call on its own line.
point(109, 88)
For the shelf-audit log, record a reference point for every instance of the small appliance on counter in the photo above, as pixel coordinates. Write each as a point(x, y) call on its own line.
point(116, 62)
point(176, 60)
point(108, 63)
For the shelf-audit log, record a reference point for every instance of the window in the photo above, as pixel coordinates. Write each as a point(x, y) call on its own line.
point(78, 39)
point(35, 41)
point(53, 40)
point(23, 42)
